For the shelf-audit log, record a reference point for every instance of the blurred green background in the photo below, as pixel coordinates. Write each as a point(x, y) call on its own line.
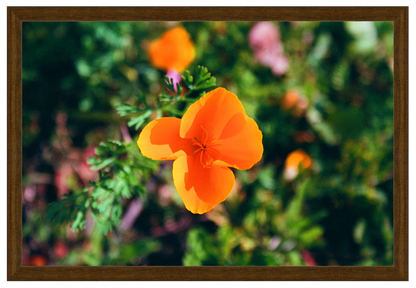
point(333, 100)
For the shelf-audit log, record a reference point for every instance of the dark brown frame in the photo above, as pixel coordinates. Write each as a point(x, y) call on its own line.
point(15, 17)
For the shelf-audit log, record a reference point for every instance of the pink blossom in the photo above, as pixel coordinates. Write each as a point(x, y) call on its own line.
point(84, 170)
point(307, 257)
point(280, 65)
point(62, 175)
point(264, 39)
point(264, 35)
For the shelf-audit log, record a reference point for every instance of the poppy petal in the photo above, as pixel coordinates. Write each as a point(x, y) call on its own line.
point(201, 188)
point(243, 150)
point(219, 112)
point(160, 140)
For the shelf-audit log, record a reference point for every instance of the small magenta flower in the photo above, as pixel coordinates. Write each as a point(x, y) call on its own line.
point(175, 77)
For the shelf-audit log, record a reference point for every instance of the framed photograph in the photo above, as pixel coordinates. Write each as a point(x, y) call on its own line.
point(207, 143)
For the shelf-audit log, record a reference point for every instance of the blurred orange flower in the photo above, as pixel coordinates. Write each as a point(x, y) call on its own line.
point(294, 100)
point(290, 99)
point(298, 157)
point(214, 134)
point(293, 161)
point(174, 50)
point(38, 260)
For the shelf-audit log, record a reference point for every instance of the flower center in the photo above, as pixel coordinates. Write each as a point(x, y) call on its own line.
point(204, 149)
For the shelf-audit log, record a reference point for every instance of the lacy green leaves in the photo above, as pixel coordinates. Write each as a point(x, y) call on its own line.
point(203, 79)
point(123, 170)
point(168, 104)
point(122, 174)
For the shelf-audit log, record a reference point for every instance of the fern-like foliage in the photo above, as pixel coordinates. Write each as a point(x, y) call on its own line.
point(123, 170)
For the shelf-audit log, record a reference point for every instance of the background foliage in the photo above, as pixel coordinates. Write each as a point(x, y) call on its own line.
point(88, 89)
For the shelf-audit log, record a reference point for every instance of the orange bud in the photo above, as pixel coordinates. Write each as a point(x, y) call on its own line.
point(290, 99)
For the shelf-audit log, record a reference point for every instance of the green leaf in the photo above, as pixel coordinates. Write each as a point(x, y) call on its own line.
point(311, 236)
point(294, 211)
point(130, 253)
point(206, 84)
point(187, 78)
point(103, 163)
point(72, 208)
point(138, 121)
point(79, 221)
point(203, 79)
point(127, 109)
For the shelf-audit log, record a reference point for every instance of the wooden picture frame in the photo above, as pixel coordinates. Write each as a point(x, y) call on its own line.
point(17, 15)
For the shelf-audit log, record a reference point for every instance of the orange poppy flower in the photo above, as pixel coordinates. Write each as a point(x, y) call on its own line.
point(174, 50)
point(214, 134)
